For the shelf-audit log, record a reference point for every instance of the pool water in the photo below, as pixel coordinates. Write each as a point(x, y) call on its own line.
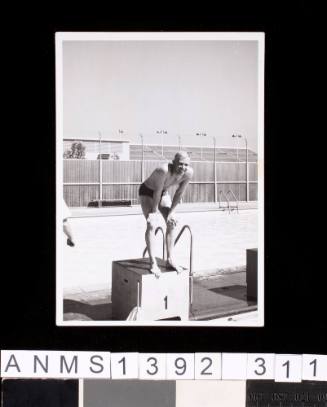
point(220, 241)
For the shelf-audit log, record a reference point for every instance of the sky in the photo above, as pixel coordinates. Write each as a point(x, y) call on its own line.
point(178, 87)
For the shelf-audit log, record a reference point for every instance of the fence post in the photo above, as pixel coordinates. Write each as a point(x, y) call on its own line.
point(142, 162)
point(100, 172)
point(247, 171)
point(215, 169)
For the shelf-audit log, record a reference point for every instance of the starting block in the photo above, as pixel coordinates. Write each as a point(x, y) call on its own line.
point(252, 274)
point(155, 298)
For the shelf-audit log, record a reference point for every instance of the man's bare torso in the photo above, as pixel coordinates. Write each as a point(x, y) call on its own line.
point(170, 178)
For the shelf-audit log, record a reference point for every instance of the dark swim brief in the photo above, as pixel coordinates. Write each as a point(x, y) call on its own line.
point(146, 191)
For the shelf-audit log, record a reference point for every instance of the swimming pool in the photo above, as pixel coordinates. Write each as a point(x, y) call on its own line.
point(220, 241)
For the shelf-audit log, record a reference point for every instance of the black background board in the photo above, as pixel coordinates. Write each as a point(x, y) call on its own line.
point(39, 393)
point(295, 320)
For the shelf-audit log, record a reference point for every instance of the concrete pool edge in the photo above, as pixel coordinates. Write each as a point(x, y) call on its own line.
point(83, 212)
point(213, 299)
point(103, 287)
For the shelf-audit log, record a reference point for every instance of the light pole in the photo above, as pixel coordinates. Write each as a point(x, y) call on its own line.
point(162, 132)
point(237, 136)
point(120, 132)
point(214, 167)
point(179, 143)
point(246, 169)
point(203, 135)
point(142, 162)
point(100, 170)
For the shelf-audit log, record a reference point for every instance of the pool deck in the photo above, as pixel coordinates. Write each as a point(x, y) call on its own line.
point(220, 241)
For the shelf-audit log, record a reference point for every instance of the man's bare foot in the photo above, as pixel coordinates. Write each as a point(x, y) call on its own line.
point(155, 270)
point(172, 264)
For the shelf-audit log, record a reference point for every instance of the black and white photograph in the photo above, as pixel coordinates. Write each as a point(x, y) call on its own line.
point(160, 178)
point(163, 206)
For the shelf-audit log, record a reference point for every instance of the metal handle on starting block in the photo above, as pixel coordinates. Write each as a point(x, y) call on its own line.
point(191, 257)
point(138, 296)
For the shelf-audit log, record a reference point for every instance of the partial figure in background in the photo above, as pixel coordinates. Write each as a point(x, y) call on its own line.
point(66, 225)
point(154, 198)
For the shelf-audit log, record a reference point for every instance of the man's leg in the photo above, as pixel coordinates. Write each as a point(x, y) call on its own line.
point(68, 232)
point(170, 233)
point(170, 240)
point(146, 205)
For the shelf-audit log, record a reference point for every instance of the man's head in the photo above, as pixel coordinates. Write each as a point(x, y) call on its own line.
point(181, 162)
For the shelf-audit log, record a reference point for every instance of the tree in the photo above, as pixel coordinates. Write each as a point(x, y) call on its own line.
point(77, 150)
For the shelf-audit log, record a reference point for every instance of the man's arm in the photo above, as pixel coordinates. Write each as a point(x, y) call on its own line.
point(180, 190)
point(160, 176)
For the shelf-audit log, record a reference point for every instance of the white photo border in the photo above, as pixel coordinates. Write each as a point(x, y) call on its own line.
point(60, 37)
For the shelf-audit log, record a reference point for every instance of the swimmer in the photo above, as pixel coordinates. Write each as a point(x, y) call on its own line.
point(66, 226)
point(155, 199)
